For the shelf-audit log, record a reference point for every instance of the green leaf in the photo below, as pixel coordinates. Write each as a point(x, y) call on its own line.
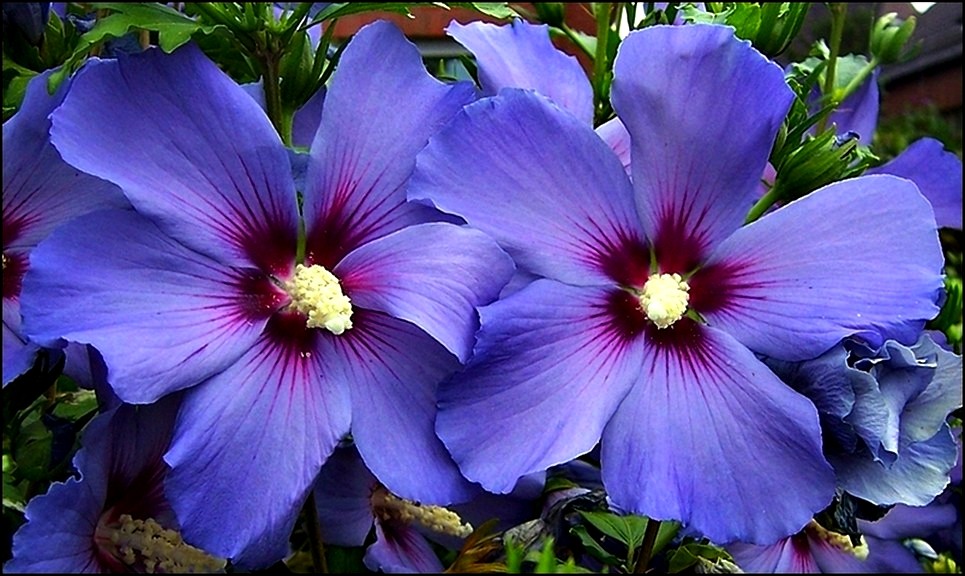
point(847, 68)
point(950, 316)
point(342, 560)
point(745, 17)
point(499, 10)
point(770, 26)
point(15, 80)
point(12, 495)
point(546, 561)
point(174, 29)
point(514, 555)
point(694, 553)
point(33, 451)
point(696, 15)
point(75, 405)
point(593, 547)
point(296, 68)
point(628, 530)
point(340, 9)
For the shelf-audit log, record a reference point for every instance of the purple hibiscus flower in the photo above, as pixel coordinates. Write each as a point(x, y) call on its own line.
point(884, 415)
point(205, 289)
point(655, 300)
point(40, 192)
point(817, 550)
point(113, 517)
point(881, 548)
point(350, 501)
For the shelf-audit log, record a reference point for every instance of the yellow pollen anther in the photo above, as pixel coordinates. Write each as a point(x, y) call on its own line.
point(317, 293)
point(840, 541)
point(156, 549)
point(664, 299)
point(436, 518)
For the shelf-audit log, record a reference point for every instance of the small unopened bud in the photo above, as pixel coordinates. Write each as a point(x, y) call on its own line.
point(889, 36)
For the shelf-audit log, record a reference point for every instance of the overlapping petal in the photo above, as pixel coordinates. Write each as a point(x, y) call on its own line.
point(211, 170)
point(785, 295)
point(808, 552)
point(40, 191)
point(433, 275)
point(786, 556)
point(261, 428)
point(936, 172)
point(521, 55)
point(547, 189)
point(163, 316)
point(126, 445)
point(58, 535)
point(926, 413)
point(393, 369)
point(670, 451)
point(904, 521)
point(307, 119)
point(702, 111)
point(919, 473)
point(401, 549)
point(343, 498)
point(18, 353)
point(551, 365)
point(615, 134)
point(365, 148)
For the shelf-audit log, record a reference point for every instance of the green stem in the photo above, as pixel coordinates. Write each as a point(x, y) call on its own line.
point(281, 120)
point(859, 78)
point(762, 205)
point(839, 11)
point(646, 548)
point(602, 13)
point(571, 35)
point(319, 563)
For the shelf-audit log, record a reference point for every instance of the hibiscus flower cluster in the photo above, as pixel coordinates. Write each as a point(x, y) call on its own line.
point(425, 304)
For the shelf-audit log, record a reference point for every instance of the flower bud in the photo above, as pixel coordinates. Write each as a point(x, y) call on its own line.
point(889, 36)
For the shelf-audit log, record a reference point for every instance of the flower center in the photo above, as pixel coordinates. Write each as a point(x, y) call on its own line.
point(146, 546)
point(317, 293)
point(839, 541)
point(436, 518)
point(664, 299)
